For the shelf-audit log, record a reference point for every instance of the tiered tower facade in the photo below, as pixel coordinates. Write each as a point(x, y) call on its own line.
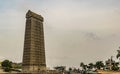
point(34, 49)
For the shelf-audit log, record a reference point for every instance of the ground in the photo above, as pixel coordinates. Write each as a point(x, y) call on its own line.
point(108, 72)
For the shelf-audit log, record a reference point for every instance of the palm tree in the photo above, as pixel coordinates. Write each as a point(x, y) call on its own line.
point(83, 66)
point(99, 64)
point(91, 65)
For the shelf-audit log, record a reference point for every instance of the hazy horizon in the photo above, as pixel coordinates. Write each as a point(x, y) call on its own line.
point(75, 30)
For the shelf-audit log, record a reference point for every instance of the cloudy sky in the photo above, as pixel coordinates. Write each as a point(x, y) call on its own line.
point(75, 30)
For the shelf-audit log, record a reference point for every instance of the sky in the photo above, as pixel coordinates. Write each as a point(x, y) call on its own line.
point(75, 30)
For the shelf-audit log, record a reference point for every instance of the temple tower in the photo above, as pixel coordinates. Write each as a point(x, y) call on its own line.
point(34, 50)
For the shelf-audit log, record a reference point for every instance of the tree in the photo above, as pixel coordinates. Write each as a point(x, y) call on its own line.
point(90, 65)
point(6, 65)
point(70, 69)
point(115, 66)
point(99, 64)
point(118, 54)
point(83, 65)
point(60, 68)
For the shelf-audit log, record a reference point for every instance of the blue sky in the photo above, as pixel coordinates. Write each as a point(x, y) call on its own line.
point(75, 30)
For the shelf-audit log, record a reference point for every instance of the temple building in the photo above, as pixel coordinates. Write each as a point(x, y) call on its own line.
point(34, 48)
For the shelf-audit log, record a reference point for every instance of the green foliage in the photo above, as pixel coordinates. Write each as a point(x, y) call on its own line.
point(60, 68)
point(118, 54)
point(6, 65)
point(17, 65)
point(90, 65)
point(99, 64)
point(7, 69)
point(83, 65)
point(115, 68)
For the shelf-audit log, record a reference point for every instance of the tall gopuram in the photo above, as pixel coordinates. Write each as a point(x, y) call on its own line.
point(34, 49)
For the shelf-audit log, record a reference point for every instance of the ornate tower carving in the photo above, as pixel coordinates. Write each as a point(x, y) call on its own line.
point(34, 50)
